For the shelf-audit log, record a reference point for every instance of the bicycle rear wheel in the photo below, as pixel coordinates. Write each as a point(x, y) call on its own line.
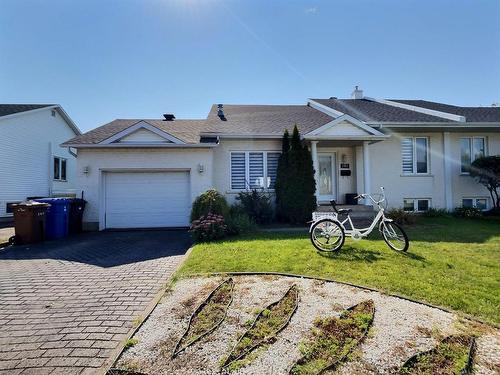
point(327, 235)
point(394, 236)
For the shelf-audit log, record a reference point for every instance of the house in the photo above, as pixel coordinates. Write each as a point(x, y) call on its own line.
point(32, 161)
point(146, 173)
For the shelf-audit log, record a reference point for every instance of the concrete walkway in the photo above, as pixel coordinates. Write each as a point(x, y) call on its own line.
point(66, 306)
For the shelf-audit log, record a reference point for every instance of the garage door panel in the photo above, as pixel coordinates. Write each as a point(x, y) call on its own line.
point(147, 199)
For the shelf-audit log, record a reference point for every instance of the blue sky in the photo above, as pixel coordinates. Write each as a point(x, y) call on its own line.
point(140, 58)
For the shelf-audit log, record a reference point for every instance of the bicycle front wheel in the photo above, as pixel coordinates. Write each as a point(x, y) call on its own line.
point(327, 235)
point(394, 236)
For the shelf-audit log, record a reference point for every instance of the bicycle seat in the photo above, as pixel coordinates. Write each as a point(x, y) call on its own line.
point(344, 211)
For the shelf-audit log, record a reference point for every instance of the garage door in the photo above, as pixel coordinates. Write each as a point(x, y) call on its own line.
point(147, 199)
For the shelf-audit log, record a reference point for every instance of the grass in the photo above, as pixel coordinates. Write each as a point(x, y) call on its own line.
point(451, 356)
point(267, 324)
point(451, 262)
point(209, 316)
point(130, 343)
point(333, 339)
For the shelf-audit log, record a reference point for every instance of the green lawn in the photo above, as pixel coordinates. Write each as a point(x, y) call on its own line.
point(451, 262)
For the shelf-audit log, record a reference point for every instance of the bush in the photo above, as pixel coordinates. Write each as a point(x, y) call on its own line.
point(436, 212)
point(208, 202)
point(208, 227)
point(239, 223)
point(401, 216)
point(467, 212)
point(257, 205)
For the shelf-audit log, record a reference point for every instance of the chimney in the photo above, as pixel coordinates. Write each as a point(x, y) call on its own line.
point(220, 112)
point(169, 117)
point(357, 93)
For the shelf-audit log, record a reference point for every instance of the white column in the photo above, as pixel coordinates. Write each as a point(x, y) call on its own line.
point(314, 154)
point(366, 170)
point(448, 183)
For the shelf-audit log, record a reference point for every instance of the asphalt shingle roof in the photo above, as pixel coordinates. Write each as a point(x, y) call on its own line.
point(370, 111)
point(472, 114)
point(9, 109)
point(265, 119)
point(187, 131)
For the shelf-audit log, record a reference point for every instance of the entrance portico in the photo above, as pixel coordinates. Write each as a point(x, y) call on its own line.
point(341, 158)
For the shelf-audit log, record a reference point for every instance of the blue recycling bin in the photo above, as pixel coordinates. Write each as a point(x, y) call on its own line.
point(56, 222)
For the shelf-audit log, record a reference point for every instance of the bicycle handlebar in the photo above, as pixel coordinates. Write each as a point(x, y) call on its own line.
point(363, 196)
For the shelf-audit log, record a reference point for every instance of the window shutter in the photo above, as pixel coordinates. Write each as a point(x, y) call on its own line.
point(272, 167)
point(256, 169)
point(407, 155)
point(237, 170)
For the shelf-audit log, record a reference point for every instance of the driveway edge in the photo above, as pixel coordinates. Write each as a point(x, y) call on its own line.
point(146, 313)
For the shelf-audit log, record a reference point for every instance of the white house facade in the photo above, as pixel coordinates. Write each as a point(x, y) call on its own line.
point(147, 173)
point(33, 163)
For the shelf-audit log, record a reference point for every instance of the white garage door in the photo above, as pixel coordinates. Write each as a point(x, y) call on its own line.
point(147, 199)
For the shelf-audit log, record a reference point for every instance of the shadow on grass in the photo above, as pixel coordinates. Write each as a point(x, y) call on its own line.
point(352, 254)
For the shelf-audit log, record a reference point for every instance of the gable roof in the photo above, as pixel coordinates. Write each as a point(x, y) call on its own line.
point(264, 119)
point(10, 109)
point(471, 114)
point(370, 111)
point(187, 131)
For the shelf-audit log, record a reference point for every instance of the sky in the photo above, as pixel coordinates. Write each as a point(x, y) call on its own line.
point(107, 59)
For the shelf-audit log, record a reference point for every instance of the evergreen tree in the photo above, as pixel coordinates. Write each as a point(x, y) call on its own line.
point(295, 190)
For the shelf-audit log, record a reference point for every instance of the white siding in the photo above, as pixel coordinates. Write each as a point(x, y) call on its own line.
point(143, 135)
point(28, 143)
point(99, 160)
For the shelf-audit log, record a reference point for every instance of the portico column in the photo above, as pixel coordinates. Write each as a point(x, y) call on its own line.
point(314, 154)
point(366, 170)
point(448, 188)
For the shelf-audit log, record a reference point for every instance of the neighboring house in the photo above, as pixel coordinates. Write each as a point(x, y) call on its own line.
point(146, 173)
point(32, 162)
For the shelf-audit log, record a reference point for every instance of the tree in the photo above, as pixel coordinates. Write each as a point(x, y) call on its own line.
point(486, 171)
point(295, 184)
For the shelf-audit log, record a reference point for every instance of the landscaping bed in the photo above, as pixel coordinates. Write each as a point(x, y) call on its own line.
point(400, 329)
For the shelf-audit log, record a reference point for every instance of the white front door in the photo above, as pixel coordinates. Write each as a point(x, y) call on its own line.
point(326, 177)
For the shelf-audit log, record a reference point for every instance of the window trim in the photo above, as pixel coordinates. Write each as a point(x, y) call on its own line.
point(414, 156)
point(247, 168)
point(60, 179)
point(415, 204)
point(474, 202)
point(471, 150)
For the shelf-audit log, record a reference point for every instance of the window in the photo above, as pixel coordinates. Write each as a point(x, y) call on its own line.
point(60, 169)
point(414, 155)
point(253, 169)
point(416, 204)
point(479, 203)
point(471, 148)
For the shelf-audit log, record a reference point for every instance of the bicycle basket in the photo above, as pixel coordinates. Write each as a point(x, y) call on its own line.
point(316, 216)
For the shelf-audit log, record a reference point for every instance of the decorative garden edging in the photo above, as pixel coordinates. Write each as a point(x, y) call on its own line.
point(284, 274)
point(469, 346)
point(342, 321)
point(231, 358)
point(179, 348)
point(115, 371)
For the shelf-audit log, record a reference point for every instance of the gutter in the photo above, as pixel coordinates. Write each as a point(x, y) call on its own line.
point(140, 145)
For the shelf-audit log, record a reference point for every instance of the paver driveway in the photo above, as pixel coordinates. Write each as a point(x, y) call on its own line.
point(65, 306)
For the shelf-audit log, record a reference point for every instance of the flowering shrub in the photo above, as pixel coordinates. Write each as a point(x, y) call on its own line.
point(208, 227)
point(467, 212)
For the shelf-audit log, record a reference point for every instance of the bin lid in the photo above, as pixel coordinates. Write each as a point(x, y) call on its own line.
point(31, 203)
point(55, 201)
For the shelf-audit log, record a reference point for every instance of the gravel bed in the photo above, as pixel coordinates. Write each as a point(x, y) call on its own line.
point(400, 329)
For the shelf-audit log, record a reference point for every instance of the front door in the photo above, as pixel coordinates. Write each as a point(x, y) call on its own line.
point(326, 177)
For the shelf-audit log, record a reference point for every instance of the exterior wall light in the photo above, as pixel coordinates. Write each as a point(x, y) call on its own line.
point(86, 170)
point(201, 168)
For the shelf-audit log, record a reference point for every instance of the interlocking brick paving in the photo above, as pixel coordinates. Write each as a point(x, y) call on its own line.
point(66, 305)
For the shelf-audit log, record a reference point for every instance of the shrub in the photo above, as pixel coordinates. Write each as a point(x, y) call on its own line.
point(401, 216)
point(208, 202)
point(295, 184)
point(257, 205)
point(436, 212)
point(208, 227)
point(486, 171)
point(239, 223)
point(467, 212)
